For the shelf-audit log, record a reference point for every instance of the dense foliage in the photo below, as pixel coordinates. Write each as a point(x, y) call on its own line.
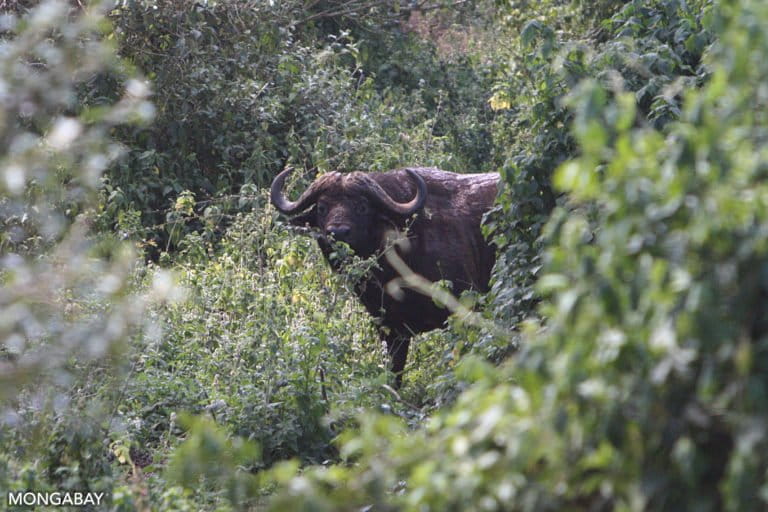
point(645, 389)
point(66, 311)
point(245, 87)
point(165, 337)
point(652, 49)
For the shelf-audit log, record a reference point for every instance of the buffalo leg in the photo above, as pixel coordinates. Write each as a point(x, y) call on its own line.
point(397, 347)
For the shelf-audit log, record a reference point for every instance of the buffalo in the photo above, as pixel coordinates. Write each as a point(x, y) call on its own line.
point(440, 213)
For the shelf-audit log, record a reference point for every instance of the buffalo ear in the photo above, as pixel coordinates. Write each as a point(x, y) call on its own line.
point(306, 219)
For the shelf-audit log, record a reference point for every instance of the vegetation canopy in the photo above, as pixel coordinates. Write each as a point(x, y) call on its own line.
point(169, 339)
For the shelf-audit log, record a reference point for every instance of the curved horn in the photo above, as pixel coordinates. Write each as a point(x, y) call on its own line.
point(284, 204)
point(412, 206)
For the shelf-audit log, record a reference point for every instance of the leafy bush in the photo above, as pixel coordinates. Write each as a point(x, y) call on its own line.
point(65, 312)
point(262, 342)
point(245, 87)
point(646, 387)
point(653, 49)
point(632, 212)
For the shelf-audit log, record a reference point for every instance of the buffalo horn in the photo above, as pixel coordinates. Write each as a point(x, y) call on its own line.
point(282, 203)
point(380, 195)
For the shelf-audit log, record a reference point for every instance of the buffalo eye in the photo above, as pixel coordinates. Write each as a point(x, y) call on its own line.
point(322, 209)
point(361, 208)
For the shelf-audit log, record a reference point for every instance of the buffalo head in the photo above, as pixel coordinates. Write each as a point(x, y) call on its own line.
point(351, 208)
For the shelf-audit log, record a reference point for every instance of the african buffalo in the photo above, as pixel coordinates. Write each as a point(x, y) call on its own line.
point(439, 211)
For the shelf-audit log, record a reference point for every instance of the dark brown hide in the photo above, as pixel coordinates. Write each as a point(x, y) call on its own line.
point(446, 241)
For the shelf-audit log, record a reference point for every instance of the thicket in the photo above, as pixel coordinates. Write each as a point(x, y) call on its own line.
point(644, 386)
point(243, 88)
point(630, 227)
point(67, 312)
point(261, 341)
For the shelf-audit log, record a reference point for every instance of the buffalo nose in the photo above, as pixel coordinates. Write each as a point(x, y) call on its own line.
point(339, 232)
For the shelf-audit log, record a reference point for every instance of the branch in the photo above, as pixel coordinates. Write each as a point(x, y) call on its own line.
point(349, 8)
point(413, 281)
point(344, 11)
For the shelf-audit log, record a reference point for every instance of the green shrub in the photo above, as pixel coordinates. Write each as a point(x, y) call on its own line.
point(66, 311)
point(653, 49)
point(263, 342)
point(245, 87)
point(632, 212)
point(645, 388)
